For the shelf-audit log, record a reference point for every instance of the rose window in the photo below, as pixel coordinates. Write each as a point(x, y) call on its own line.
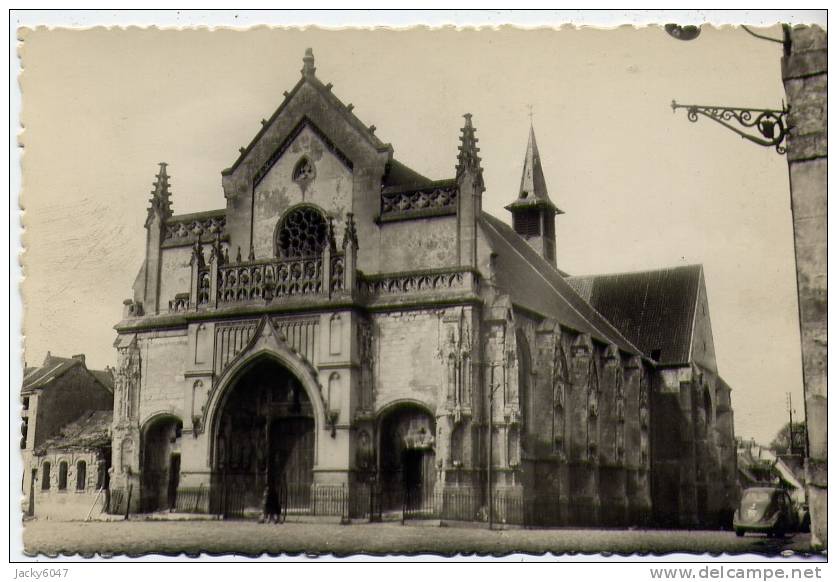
point(302, 233)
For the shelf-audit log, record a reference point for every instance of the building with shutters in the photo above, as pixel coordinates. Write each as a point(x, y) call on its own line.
point(356, 338)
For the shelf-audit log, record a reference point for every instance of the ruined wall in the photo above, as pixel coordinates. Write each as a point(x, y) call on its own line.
point(70, 503)
point(805, 75)
point(70, 396)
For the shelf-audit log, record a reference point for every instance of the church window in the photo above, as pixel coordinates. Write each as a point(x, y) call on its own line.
point(303, 171)
point(62, 476)
point(45, 478)
point(301, 233)
point(81, 476)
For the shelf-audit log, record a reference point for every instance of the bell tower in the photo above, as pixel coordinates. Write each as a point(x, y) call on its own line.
point(533, 213)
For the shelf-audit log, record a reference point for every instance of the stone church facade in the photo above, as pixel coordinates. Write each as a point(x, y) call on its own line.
point(344, 322)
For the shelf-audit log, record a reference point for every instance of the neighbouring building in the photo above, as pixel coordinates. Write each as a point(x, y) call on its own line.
point(345, 325)
point(805, 75)
point(58, 393)
point(73, 465)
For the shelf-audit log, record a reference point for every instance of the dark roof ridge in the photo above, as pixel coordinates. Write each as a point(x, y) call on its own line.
point(640, 272)
point(56, 366)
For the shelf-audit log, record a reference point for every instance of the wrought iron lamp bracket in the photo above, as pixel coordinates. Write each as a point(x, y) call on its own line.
point(766, 127)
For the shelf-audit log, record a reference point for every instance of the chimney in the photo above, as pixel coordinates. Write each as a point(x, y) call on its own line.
point(80, 358)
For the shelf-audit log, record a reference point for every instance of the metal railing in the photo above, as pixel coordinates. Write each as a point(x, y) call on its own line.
point(373, 502)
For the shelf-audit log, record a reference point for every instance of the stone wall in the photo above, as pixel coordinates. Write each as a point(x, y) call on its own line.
point(329, 188)
point(163, 384)
point(409, 366)
point(805, 75)
point(418, 244)
point(175, 274)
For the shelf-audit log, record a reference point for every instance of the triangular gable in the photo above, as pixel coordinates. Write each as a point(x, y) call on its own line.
point(310, 99)
point(702, 345)
point(304, 123)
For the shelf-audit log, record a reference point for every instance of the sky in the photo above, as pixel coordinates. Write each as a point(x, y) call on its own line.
point(641, 186)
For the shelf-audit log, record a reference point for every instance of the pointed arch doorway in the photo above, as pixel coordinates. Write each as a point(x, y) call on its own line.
point(264, 441)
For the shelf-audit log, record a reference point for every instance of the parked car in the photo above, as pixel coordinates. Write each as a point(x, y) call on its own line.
point(765, 510)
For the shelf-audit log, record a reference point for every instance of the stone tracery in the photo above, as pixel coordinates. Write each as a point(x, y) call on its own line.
point(303, 232)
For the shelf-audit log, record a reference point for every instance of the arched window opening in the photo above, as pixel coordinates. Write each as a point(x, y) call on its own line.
point(62, 476)
point(303, 232)
point(81, 476)
point(46, 477)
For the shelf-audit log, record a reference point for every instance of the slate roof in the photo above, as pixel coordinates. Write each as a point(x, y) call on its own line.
point(535, 284)
point(400, 177)
point(655, 310)
point(90, 430)
point(55, 367)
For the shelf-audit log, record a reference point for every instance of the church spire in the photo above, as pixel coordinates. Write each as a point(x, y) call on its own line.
point(533, 213)
point(160, 195)
point(533, 190)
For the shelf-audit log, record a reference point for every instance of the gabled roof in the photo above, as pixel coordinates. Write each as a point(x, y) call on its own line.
point(654, 309)
point(309, 77)
point(53, 368)
point(90, 430)
point(534, 284)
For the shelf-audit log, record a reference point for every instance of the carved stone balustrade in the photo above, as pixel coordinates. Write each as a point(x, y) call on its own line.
point(265, 281)
point(185, 229)
point(179, 303)
point(406, 287)
point(437, 199)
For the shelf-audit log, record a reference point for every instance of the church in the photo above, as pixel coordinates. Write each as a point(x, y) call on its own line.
point(355, 338)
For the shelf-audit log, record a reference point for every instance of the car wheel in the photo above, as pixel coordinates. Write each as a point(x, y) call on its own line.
point(739, 533)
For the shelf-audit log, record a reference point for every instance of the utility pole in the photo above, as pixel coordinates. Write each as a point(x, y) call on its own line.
point(790, 424)
point(490, 446)
point(492, 388)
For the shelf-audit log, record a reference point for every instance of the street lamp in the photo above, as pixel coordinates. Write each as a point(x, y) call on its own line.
point(771, 124)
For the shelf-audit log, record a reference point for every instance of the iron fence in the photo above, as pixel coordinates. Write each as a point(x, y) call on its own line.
point(235, 500)
point(373, 502)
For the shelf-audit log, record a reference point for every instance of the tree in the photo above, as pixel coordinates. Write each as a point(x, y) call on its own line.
point(781, 443)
